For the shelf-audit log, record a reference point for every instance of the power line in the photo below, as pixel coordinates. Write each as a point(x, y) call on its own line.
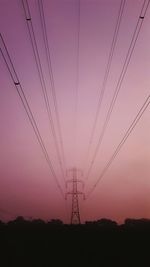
point(78, 49)
point(127, 134)
point(41, 77)
point(77, 68)
point(20, 91)
point(120, 80)
point(50, 70)
point(107, 71)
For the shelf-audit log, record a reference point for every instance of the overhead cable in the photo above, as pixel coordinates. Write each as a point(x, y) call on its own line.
point(50, 70)
point(107, 71)
point(120, 80)
point(122, 142)
point(41, 77)
point(21, 93)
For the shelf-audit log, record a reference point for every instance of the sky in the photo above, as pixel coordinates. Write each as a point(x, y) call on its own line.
point(79, 50)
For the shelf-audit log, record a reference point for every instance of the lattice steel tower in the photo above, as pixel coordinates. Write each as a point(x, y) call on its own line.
point(75, 212)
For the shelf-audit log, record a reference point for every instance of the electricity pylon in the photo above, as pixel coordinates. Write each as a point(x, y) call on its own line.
point(75, 212)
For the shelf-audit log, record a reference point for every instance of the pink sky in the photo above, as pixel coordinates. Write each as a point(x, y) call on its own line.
point(26, 185)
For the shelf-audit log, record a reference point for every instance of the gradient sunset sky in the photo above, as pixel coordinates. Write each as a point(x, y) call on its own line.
point(27, 187)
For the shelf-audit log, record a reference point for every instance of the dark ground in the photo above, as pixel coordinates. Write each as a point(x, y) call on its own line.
point(97, 244)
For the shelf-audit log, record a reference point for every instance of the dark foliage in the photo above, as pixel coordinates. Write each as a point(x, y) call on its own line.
point(100, 243)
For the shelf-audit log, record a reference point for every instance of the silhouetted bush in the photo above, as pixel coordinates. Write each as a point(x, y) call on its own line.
point(55, 222)
point(106, 223)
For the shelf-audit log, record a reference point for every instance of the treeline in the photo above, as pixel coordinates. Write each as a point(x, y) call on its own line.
point(20, 220)
point(98, 243)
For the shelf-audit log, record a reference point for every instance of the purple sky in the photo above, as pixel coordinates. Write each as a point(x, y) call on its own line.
point(26, 185)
